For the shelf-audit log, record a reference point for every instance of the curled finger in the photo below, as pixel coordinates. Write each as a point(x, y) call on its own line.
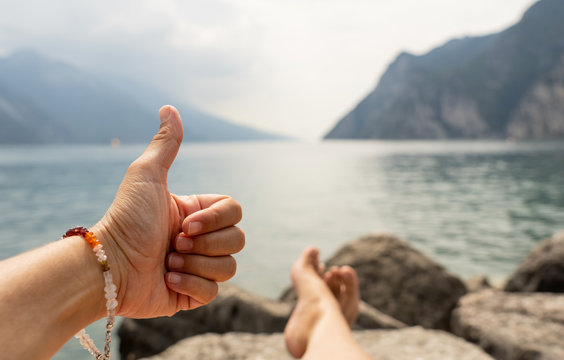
point(224, 213)
point(222, 242)
point(215, 268)
point(200, 289)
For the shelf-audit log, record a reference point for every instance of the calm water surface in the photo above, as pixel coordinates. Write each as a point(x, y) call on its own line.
point(476, 207)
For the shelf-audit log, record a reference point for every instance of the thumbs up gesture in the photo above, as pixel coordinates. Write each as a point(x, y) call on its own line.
point(167, 252)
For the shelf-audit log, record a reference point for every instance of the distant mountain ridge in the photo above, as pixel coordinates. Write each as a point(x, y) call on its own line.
point(47, 101)
point(504, 85)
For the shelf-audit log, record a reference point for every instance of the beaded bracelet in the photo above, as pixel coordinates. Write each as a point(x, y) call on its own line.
point(110, 295)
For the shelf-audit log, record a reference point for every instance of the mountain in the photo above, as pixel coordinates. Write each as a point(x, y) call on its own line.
point(504, 85)
point(47, 101)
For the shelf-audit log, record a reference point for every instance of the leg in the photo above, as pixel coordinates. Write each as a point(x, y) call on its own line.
point(319, 327)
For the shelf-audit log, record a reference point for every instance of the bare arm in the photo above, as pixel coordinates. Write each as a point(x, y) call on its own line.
point(47, 295)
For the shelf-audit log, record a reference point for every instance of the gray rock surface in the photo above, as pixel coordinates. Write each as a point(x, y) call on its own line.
point(368, 316)
point(511, 326)
point(542, 270)
point(407, 344)
point(234, 309)
point(400, 281)
point(371, 318)
point(477, 283)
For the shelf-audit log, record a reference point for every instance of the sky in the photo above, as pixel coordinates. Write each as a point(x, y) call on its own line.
point(293, 67)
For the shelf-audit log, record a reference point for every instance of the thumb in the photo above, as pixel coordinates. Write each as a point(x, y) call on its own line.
point(165, 144)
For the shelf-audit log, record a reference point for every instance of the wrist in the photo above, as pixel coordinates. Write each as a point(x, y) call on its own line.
point(90, 293)
point(93, 294)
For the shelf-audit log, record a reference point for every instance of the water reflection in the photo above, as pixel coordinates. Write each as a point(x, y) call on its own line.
point(475, 211)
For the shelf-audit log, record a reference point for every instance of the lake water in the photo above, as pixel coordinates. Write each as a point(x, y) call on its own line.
point(475, 207)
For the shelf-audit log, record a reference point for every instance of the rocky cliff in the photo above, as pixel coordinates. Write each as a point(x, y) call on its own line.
point(504, 85)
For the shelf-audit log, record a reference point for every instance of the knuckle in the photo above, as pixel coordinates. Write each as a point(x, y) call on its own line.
point(230, 268)
point(193, 203)
point(201, 244)
point(234, 207)
point(164, 134)
point(138, 165)
point(240, 239)
point(215, 216)
point(212, 292)
point(238, 210)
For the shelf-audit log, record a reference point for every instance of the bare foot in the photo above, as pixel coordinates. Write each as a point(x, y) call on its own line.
point(343, 283)
point(316, 297)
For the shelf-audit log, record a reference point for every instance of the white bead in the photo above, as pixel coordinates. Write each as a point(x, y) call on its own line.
point(111, 304)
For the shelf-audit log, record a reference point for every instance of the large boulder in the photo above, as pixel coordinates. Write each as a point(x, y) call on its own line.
point(400, 281)
point(406, 344)
point(513, 326)
point(234, 309)
point(543, 268)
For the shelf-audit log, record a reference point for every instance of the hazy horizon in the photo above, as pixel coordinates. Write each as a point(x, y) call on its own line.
point(291, 67)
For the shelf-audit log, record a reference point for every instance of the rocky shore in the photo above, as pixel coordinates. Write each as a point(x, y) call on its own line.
point(412, 308)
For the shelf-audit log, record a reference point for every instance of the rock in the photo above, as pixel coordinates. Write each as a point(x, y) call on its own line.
point(406, 344)
point(512, 325)
point(477, 283)
point(371, 318)
point(234, 309)
point(232, 346)
point(400, 281)
point(368, 316)
point(542, 270)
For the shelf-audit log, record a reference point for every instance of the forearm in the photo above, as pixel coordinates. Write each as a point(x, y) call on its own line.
point(46, 296)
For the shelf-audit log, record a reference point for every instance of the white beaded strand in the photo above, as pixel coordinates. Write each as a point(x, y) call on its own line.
point(87, 343)
point(111, 304)
point(110, 295)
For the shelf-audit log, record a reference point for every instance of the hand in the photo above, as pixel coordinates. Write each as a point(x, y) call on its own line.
point(146, 222)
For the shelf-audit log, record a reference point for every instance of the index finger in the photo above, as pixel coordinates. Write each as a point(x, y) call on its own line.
point(217, 212)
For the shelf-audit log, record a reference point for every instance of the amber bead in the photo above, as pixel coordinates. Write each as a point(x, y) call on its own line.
point(105, 266)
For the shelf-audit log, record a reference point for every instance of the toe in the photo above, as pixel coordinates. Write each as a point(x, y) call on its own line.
point(333, 280)
point(350, 279)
